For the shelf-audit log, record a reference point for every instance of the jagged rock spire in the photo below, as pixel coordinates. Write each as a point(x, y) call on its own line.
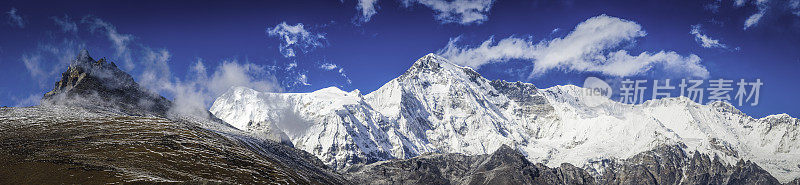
point(83, 56)
point(100, 83)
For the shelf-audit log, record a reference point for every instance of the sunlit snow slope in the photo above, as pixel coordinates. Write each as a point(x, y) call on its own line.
point(437, 106)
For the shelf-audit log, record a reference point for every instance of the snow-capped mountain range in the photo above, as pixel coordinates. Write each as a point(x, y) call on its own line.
point(439, 107)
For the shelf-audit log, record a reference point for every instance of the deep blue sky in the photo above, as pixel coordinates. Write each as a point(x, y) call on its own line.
point(374, 52)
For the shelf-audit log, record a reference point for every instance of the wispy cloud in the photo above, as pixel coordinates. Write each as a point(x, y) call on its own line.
point(191, 95)
point(15, 19)
point(590, 47)
point(447, 11)
point(457, 11)
point(295, 37)
point(368, 8)
point(195, 93)
point(328, 66)
point(120, 41)
point(713, 6)
point(156, 71)
point(33, 64)
point(755, 18)
point(765, 8)
point(338, 69)
point(795, 6)
point(344, 74)
point(50, 58)
point(30, 100)
point(66, 24)
point(302, 79)
point(234, 73)
point(291, 66)
point(704, 40)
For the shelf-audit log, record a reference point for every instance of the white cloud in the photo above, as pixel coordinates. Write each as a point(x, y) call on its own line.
point(590, 47)
point(191, 95)
point(228, 74)
point(30, 100)
point(15, 19)
point(199, 70)
point(713, 6)
point(233, 73)
point(291, 66)
point(328, 66)
point(33, 64)
point(194, 94)
point(343, 74)
point(704, 40)
point(50, 59)
point(197, 91)
point(295, 38)
point(66, 24)
point(120, 41)
point(739, 3)
point(331, 66)
point(302, 79)
point(156, 74)
point(753, 19)
point(368, 8)
point(457, 11)
point(766, 8)
point(795, 6)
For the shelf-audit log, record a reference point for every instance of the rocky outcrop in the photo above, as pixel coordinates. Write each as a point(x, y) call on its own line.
point(440, 107)
point(664, 165)
point(504, 166)
point(99, 83)
point(98, 126)
point(671, 165)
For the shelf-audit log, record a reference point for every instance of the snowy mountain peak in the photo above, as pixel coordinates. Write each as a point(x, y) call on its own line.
point(428, 63)
point(330, 90)
point(440, 107)
point(431, 58)
point(239, 90)
point(432, 63)
point(779, 116)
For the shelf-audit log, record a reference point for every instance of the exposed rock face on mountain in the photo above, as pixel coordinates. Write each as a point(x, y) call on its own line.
point(504, 166)
point(664, 165)
point(101, 83)
point(439, 107)
point(434, 107)
point(671, 165)
point(118, 139)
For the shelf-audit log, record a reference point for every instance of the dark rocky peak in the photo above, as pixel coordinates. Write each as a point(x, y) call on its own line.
point(504, 156)
point(747, 172)
point(506, 150)
point(514, 89)
point(667, 164)
point(99, 83)
point(83, 57)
